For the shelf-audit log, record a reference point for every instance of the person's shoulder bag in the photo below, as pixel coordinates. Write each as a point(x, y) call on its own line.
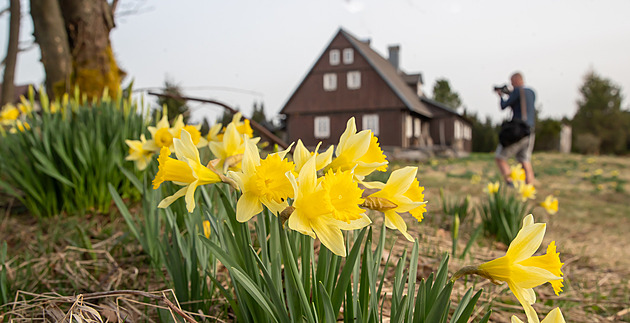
point(516, 129)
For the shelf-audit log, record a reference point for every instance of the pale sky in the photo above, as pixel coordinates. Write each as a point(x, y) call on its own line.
point(245, 51)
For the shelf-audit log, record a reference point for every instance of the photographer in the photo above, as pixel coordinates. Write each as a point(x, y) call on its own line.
point(521, 149)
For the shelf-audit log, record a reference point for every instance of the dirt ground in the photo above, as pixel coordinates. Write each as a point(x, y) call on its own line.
point(591, 231)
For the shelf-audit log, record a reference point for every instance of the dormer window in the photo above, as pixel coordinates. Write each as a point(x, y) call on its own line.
point(330, 82)
point(348, 56)
point(335, 57)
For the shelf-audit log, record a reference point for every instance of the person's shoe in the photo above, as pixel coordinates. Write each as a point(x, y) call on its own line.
point(510, 184)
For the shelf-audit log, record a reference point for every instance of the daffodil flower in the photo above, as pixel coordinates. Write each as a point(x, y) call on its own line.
point(520, 269)
point(554, 316)
point(492, 188)
point(301, 155)
point(214, 133)
point(262, 182)
point(207, 229)
point(161, 135)
point(550, 204)
point(230, 150)
point(186, 171)
point(323, 208)
point(9, 113)
point(195, 135)
point(527, 191)
point(359, 152)
point(138, 154)
point(517, 173)
point(402, 194)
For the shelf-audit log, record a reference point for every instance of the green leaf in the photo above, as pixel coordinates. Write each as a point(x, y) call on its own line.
point(255, 293)
point(325, 299)
point(344, 277)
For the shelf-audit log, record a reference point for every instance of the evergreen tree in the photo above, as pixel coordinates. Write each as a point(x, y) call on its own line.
point(259, 113)
point(599, 114)
point(443, 93)
point(175, 106)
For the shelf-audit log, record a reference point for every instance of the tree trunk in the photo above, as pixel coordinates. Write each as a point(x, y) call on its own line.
point(50, 34)
point(88, 23)
point(8, 78)
point(73, 36)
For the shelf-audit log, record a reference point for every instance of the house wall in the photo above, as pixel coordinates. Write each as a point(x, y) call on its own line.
point(374, 96)
point(302, 126)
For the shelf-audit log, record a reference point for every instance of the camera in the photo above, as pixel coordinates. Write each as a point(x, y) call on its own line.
point(503, 88)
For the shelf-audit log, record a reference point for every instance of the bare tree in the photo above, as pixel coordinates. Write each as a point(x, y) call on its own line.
point(8, 78)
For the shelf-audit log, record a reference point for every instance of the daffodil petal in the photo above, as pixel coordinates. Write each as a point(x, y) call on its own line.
point(554, 316)
point(169, 200)
point(331, 237)
point(190, 196)
point(359, 223)
point(397, 222)
point(247, 206)
point(527, 240)
point(298, 223)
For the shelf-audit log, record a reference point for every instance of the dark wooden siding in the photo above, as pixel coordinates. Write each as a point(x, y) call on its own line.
point(301, 126)
point(374, 96)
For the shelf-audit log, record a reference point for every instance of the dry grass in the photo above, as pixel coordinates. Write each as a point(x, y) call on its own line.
point(86, 256)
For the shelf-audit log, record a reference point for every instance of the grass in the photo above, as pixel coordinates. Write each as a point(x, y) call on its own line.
point(93, 253)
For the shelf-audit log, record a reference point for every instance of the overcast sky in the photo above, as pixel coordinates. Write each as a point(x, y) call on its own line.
point(245, 51)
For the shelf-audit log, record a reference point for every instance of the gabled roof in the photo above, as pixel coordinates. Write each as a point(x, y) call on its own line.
point(389, 74)
point(441, 109)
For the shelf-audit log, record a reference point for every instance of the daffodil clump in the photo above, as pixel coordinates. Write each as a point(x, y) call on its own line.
point(314, 193)
point(523, 271)
point(13, 116)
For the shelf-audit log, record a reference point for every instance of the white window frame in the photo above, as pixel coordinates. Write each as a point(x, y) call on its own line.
point(348, 56)
point(370, 121)
point(334, 57)
point(417, 128)
point(408, 126)
point(322, 127)
point(353, 80)
point(330, 82)
point(458, 131)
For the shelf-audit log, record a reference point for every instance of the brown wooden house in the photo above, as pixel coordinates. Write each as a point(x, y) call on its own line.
point(351, 79)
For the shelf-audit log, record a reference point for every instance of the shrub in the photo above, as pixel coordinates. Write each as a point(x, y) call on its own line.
point(587, 143)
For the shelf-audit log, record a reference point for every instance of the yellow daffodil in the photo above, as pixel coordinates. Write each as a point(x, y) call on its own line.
point(554, 316)
point(527, 191)
point(243, 127)
point(517, 173)
point(138, 154)
point(598, 172)
point(359, 152)
point(161, 135)
point(402, 193)
point(614, 173)
point(186, 171)
point(475, 179)
point(230, 149)
point(492, 188)
point(214, 134)
point(301, 155)
point(323, 209)
point(9, 113)
point(262, 182)
point(195, 135)
point(590, 160)
point(550, 204)
point(207, 229)
point(523, 271)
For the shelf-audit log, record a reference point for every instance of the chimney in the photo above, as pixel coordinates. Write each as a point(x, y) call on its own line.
point(394, 59)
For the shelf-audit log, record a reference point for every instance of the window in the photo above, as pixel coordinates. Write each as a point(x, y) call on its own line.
point(354, 80)
point(334, 57)
point(330, 82)
point(408, 126)
point(459, 131)
point(322, 127)
point(416, 127)
point(467, 133)
point(348, 56)
point(370, 121)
